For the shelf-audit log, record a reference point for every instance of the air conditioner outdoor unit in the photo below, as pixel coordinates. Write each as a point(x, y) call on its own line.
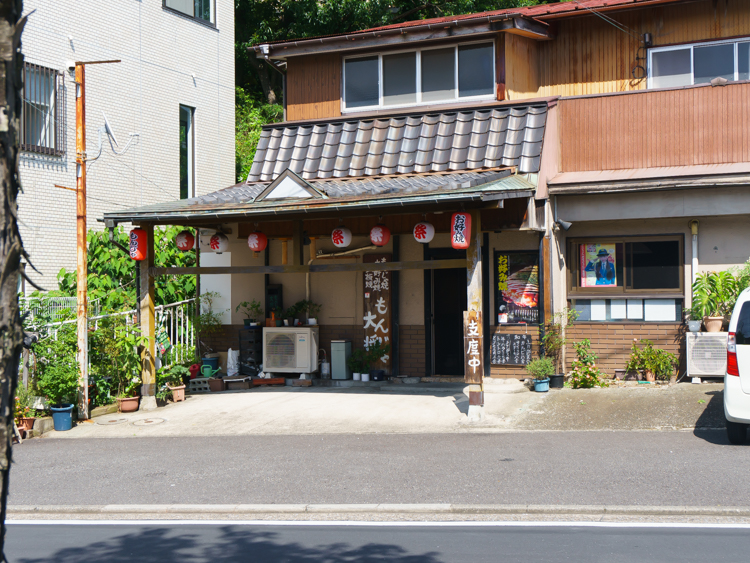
point(291, 349)
point(706, 354)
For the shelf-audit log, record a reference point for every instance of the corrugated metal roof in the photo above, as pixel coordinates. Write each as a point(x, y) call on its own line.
point(430, 142)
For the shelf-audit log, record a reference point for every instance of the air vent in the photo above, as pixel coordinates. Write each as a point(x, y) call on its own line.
point(706, 354)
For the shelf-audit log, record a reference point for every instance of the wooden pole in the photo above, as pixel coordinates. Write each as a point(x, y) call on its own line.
point(148, 325)
point(473, 320)
point(81, 253)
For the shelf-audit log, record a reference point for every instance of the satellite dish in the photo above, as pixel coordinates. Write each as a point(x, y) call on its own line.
point(109, 131)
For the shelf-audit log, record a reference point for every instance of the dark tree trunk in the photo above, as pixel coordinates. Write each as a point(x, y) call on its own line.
point(265, 81)
point(11, 331)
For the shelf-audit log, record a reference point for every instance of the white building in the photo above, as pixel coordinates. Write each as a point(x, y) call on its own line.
point(171, 97)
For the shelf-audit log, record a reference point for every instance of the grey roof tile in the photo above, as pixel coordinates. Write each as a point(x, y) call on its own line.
point(529, 164)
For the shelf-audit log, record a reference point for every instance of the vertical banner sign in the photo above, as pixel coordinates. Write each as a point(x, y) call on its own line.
point(473, 347)
point(377, 319)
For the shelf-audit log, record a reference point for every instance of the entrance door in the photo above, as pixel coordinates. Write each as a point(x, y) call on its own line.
point(448, 305)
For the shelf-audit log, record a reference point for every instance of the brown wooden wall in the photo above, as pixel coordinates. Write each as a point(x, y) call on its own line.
point(313, 87)
point(590, 56)
point(692, 126)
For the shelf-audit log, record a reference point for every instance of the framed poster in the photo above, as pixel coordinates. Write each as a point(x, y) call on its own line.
point(517, 287)
point(598, 265)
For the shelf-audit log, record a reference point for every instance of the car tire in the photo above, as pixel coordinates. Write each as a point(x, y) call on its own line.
point(736, 432)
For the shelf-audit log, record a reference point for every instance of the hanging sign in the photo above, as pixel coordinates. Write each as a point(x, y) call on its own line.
point(257, 241)
point(218, 243)
point(341, 237)
point(460, 230)
point(517, 287)
point(473, 347)
point(424, 232)
point(185, 240)
point(138, 243)
point(380, 235)
point(377, 319)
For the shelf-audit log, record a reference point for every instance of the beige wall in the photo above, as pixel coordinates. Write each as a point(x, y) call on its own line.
point(411, 284)
point(245, 287)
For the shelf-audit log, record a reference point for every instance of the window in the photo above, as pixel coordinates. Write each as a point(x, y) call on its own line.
point(685, 65)
point(187, 182)
point(463, 72)
point(43, 111)
point(202, 10)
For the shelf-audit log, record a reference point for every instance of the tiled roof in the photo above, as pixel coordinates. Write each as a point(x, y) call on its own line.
point(431, 142)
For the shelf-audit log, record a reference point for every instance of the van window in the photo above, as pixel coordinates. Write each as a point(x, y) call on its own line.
point(742, 332)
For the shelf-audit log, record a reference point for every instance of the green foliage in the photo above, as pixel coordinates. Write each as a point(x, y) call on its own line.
point(251, 309)
point(111, 272)
point(585, 374)
point(714, 294)
point(174, 376)
point(206, 320)
point(356, 361)
point(541, 368)
point(115, 358)
point(57, 366)
point(554, 340)
point(659, 362)
point(250, 114)
point(374, 353)
point(23, 404)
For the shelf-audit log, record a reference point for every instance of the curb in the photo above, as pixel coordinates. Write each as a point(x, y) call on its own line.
point(506, 509)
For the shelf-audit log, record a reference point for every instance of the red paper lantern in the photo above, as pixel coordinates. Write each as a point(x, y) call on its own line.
point(219, 243)
point(424, 232)
point(460, 230)
point(341, 237)
point(185, 240)
point(380, 235)
point(257, 241)
point(138, 244)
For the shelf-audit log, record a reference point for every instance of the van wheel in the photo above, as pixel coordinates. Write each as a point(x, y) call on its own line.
point(736, 432)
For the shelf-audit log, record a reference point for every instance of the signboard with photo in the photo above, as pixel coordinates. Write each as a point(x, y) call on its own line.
point(517, 287)
point(598, 267)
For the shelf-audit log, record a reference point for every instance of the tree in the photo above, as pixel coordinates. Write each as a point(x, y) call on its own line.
point(11, 247)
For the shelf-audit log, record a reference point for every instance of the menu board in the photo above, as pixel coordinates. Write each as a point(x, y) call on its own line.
point(517, 287)
point(510, 349)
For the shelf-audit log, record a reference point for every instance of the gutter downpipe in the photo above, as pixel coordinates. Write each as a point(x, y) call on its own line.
point(694, 229)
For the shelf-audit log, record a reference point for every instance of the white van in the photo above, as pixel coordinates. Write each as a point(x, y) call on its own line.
point(737, 377)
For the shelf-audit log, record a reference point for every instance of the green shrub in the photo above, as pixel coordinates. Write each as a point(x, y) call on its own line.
point(659, 362)
point(585, 373)
point(541, 368)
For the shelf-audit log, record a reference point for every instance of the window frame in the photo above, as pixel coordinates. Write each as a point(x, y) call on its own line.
point(572, 267)
point(190, 138)
point(735, 42)
point(56, 114)
point(193, 18)
point(418, 76)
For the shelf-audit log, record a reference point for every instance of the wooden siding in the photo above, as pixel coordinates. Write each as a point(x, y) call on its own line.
point(521, 68)
point(313, 87)
point(691, 126)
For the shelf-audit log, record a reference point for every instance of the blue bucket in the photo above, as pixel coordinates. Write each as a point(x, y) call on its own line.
point(62, 417)
point(213, 362)
point(541, 385)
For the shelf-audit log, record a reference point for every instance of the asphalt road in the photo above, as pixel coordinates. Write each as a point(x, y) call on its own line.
point(193, 543)
point(612, 468)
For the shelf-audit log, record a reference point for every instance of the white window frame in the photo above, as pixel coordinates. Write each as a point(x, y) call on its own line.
point(735, 42)
point(417, 78)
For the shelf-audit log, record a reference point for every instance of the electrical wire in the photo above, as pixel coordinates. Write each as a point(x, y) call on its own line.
point(620, 26)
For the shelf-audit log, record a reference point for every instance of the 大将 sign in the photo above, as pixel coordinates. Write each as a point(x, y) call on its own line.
point(377, 319)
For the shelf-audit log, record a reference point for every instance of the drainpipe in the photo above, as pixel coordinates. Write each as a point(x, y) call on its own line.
point(694, 229)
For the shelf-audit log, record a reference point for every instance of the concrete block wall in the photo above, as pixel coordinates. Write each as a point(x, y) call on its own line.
point(160, 51)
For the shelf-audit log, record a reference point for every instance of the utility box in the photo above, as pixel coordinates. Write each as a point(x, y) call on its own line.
point(340, 352)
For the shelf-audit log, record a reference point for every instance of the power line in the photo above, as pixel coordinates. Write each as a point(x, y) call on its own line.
point(619, 26)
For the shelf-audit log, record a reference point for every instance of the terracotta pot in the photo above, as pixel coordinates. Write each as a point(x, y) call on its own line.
point(178, 393)
point(713, 324)
point(649, 375)
point(27, 423)
point(128, 404)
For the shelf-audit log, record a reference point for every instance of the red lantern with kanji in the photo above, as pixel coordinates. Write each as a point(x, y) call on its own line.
point(460, 230)
point(380, 235)
point(424, 232)
point(219, 243)
point(257, 241)
point(185, 240)
point(138, 243)
point(341, 237)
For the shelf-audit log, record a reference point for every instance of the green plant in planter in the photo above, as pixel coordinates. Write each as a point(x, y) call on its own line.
point(175, 376)
point(659, 362)
point(554, 339)
point(356, 362)
point(714, 294)
point(585, 373)
point(252, 310)
point(541, 368)
point(374, 353)
point(59, 383)
point(206, 320)
point(313, 309)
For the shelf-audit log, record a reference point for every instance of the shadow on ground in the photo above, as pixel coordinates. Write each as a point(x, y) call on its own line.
point(227, 543)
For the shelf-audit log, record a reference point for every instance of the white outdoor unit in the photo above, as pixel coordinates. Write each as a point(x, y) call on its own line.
point(292, 349)
point(706, 354)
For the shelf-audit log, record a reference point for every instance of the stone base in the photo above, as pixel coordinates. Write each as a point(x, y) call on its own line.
point(148, 403)
point(476, 413)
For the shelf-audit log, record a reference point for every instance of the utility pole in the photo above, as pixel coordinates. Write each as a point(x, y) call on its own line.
point(81, 252)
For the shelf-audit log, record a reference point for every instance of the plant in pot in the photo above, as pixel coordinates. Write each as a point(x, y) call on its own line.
point(252, 311)
point(59, 383)
point(714, 296)
point(541, 369)
point(585, 374)
point(554, 341)
point(692, 318)
point(655, 363)
point(171, 383)
point(374, 354)
point(24, 413)
point(356, 363)
point(313, 310)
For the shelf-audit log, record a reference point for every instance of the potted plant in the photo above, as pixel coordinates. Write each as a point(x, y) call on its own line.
point(356, 363)
point(252, 311)
point(554, 341)
point(171, 383)
point(374, 354)
point(541, 369)
point(23, 411)
point(313, 309)
point(714, 296)
point(59, 383)
point(655, 363)
point(693, 319)
point(585, 374)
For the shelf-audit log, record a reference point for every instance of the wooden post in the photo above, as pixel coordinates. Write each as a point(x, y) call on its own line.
point(474, 313)
point(81, 253)
point(284, 252)
point(148, 325)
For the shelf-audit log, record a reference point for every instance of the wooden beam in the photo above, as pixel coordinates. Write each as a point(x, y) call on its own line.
point(148, 325)
point(500, 67)
point(313, 268)
point(474, 315)
point(527, 27)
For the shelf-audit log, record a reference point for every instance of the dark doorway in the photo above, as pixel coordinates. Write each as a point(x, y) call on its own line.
point(446, 306)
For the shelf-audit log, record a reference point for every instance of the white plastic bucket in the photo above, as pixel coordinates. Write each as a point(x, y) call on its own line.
point(365, 377)
point(356, 376)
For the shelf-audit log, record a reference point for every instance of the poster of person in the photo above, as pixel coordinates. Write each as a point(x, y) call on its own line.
point(517, 287)
point(598, 265)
